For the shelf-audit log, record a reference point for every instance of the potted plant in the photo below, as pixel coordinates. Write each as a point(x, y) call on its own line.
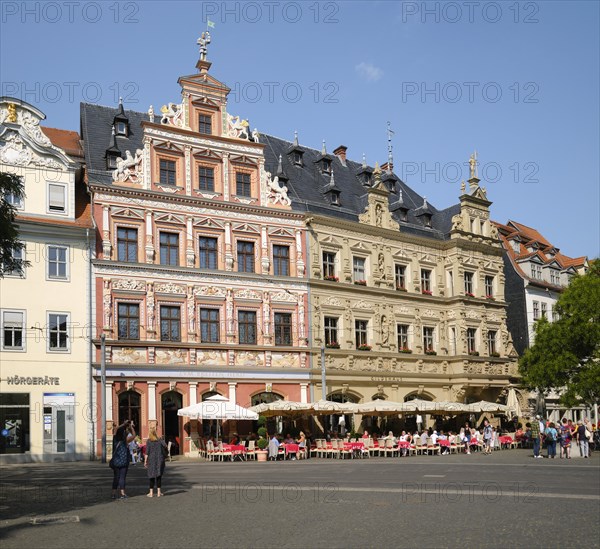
point(405, 350)
point(426, 292)
point(331, 278)
point(400, 288)
point(490, 296)
point(469, 294)
point(360, 282)
point(495, 355)
point(333, 345)
point(364, 347)
point(262, 444)
point(430, 352)
point(473, 353)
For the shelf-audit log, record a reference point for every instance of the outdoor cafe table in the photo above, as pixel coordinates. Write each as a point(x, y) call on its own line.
point(505, 441)
point(355, 447)
point(237, 451)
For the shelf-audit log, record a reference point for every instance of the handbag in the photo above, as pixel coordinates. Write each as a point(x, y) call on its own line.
point(120, 456)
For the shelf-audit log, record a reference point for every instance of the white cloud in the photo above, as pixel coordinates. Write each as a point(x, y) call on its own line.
point(369, 72)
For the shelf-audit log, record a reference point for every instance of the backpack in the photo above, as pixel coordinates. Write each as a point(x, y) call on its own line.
point(550, 435)
point(120, 456)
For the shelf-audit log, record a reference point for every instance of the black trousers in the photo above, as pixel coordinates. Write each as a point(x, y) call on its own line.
point(157, 479)
point(119, 476)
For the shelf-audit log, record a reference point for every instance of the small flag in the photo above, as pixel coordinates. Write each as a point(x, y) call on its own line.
point(210, 24)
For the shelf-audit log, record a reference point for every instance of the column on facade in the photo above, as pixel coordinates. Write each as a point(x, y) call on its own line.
point(300, 266)
point(149, 238)
point(189, 250)
point(264, 247)
point(226, 190)
point(151, 401)
point(188, 170)
point(106, 247)
point(228, 247)
point(109, 400)
point(304, 392)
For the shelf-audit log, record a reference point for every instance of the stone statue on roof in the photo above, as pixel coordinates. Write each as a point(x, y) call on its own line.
point(203, 42)
point(473, 165)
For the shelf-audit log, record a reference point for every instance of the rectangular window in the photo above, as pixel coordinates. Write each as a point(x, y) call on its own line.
point(554, 278)
point(328, 265)
point(245, 257)
point(205, 124)
point(491, 341)
point(14, 200)
point(471, 333)
point(129, 320)
point(168, 172)
point(208, 253)
point(58, 336)
point(206, 179)
point(170, 323)
point(544, 310)
point(400, 277)
point(468, 283)
point(247, 327)
point(360, 332)
point(57, 262)
point(536, 271)
point(281, 260)
point(331, 331)
point(14, 270)
point(425, 280)
point(13, 330)
point(57, 202)
point(536, 310)
point(283, 328)
point(169, 249)
point(489, 286)
point(428, 339)
point(127, 245)
point(209, 326)
point(402, 337)
point(242, 184)
point(358, 269)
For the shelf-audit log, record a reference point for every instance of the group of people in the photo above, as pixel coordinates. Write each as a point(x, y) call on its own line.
point(540, 432)
point(467, 436)
point(154, 459)
point(275, 443)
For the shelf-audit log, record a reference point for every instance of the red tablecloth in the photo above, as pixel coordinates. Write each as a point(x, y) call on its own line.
point(444, 443)
point(505, 440)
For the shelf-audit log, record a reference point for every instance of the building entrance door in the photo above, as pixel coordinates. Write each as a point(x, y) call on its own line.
point(59, 423)
point(171, 402)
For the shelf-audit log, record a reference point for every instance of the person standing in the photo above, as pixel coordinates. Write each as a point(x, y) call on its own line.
point(582, 439)
point(565, 439)
point(551, 436)
point(488, 435)
point(535, 437)
point(154, 461)
point(119, 462)
point(419, 422)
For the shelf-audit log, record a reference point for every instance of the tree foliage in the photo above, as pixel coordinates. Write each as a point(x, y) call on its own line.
point(566, 353)
point(10, 184)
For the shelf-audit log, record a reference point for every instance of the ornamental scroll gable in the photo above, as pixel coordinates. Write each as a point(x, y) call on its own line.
point(377, 214)
point(130, 169)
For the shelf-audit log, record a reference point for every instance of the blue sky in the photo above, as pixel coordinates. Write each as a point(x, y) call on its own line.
point(517, 81)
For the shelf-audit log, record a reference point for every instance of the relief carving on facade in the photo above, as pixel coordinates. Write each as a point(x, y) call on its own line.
point(171, 356)
point(211, 358)
point(285, 360)
point(209, 291)
point(128, 355)
point(248, 358)
point(129, 168)
point(129, 284)
point(169, 288)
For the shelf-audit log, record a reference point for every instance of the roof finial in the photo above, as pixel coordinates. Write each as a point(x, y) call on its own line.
point(279, 166)
point(364, 164)
point(120, 100)
point(400, 199)
point(424, 202)
point(463, 187)
point(323, 149)
point(113, 130)
point(295, 138)
point(390, 132)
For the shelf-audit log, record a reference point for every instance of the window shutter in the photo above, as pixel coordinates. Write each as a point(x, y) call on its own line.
point(13, 319)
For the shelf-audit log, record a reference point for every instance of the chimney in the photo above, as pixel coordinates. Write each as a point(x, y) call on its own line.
point(388, 168)
point(340, 152)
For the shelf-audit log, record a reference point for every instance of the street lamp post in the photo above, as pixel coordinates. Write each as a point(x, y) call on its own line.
point(103, 395)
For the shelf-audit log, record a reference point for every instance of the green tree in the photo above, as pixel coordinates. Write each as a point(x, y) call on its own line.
point(10, 185)
point(566, 353)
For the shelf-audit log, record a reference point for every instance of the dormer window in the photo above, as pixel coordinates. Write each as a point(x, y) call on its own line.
point(111, 161)
point(121, 128)
point(335, 198)
point(297, 158)
point(516, 246)
point(427, 220)
point(326, 166)
point(205, 124)
point(403, 215)
point(366, 179)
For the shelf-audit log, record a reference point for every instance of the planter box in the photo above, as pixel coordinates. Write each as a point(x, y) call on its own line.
point(261, 455)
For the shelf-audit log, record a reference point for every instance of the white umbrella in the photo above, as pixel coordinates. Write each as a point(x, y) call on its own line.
point(282, 408)
point(379, 408)
point(327, 407)
point(513, 402)
point(484, 406)
point(217, 407)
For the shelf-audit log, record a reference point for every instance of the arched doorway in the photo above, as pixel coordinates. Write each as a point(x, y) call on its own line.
point(274, 423)
point(344, 422)
point(411, 422)
point(130, 409)
point(170, 403)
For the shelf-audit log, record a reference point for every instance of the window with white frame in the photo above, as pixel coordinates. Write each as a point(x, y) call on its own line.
point(58, 262)
point(491, 341)
point(361, 332)
point(471, 340)
point(328, 264)
point(536, 271)
point(14, 269)
point(331, 331)
point(400, 271)
point(544, 310)
point(58, 331)
point(402, 337)
point(536, 310)
point(425, 280)
point(57, 198)
point(428, 339)
point(13, 330)
point(554, 277)
point(358, 269)
point(468, 283)
point(14, 200)
point(489, 286)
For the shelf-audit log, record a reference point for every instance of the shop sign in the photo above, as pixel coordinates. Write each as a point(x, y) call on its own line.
point(21, 380)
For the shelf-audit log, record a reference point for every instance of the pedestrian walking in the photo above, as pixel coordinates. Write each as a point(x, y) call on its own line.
point(582, 439)
point(488, 435)
point(154, 461)
point(551, 436)
point(535, 436)
point(119, 462)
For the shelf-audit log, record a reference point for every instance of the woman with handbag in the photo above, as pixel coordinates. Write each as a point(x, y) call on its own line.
point(154, 461)
point(119, 462)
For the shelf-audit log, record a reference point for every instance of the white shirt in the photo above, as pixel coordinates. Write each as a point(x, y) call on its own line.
point(434, 438)
point(419, 419)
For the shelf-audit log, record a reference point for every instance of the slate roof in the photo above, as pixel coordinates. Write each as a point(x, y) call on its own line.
point(306, 184)
point(96, 131)
point(306, 187)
